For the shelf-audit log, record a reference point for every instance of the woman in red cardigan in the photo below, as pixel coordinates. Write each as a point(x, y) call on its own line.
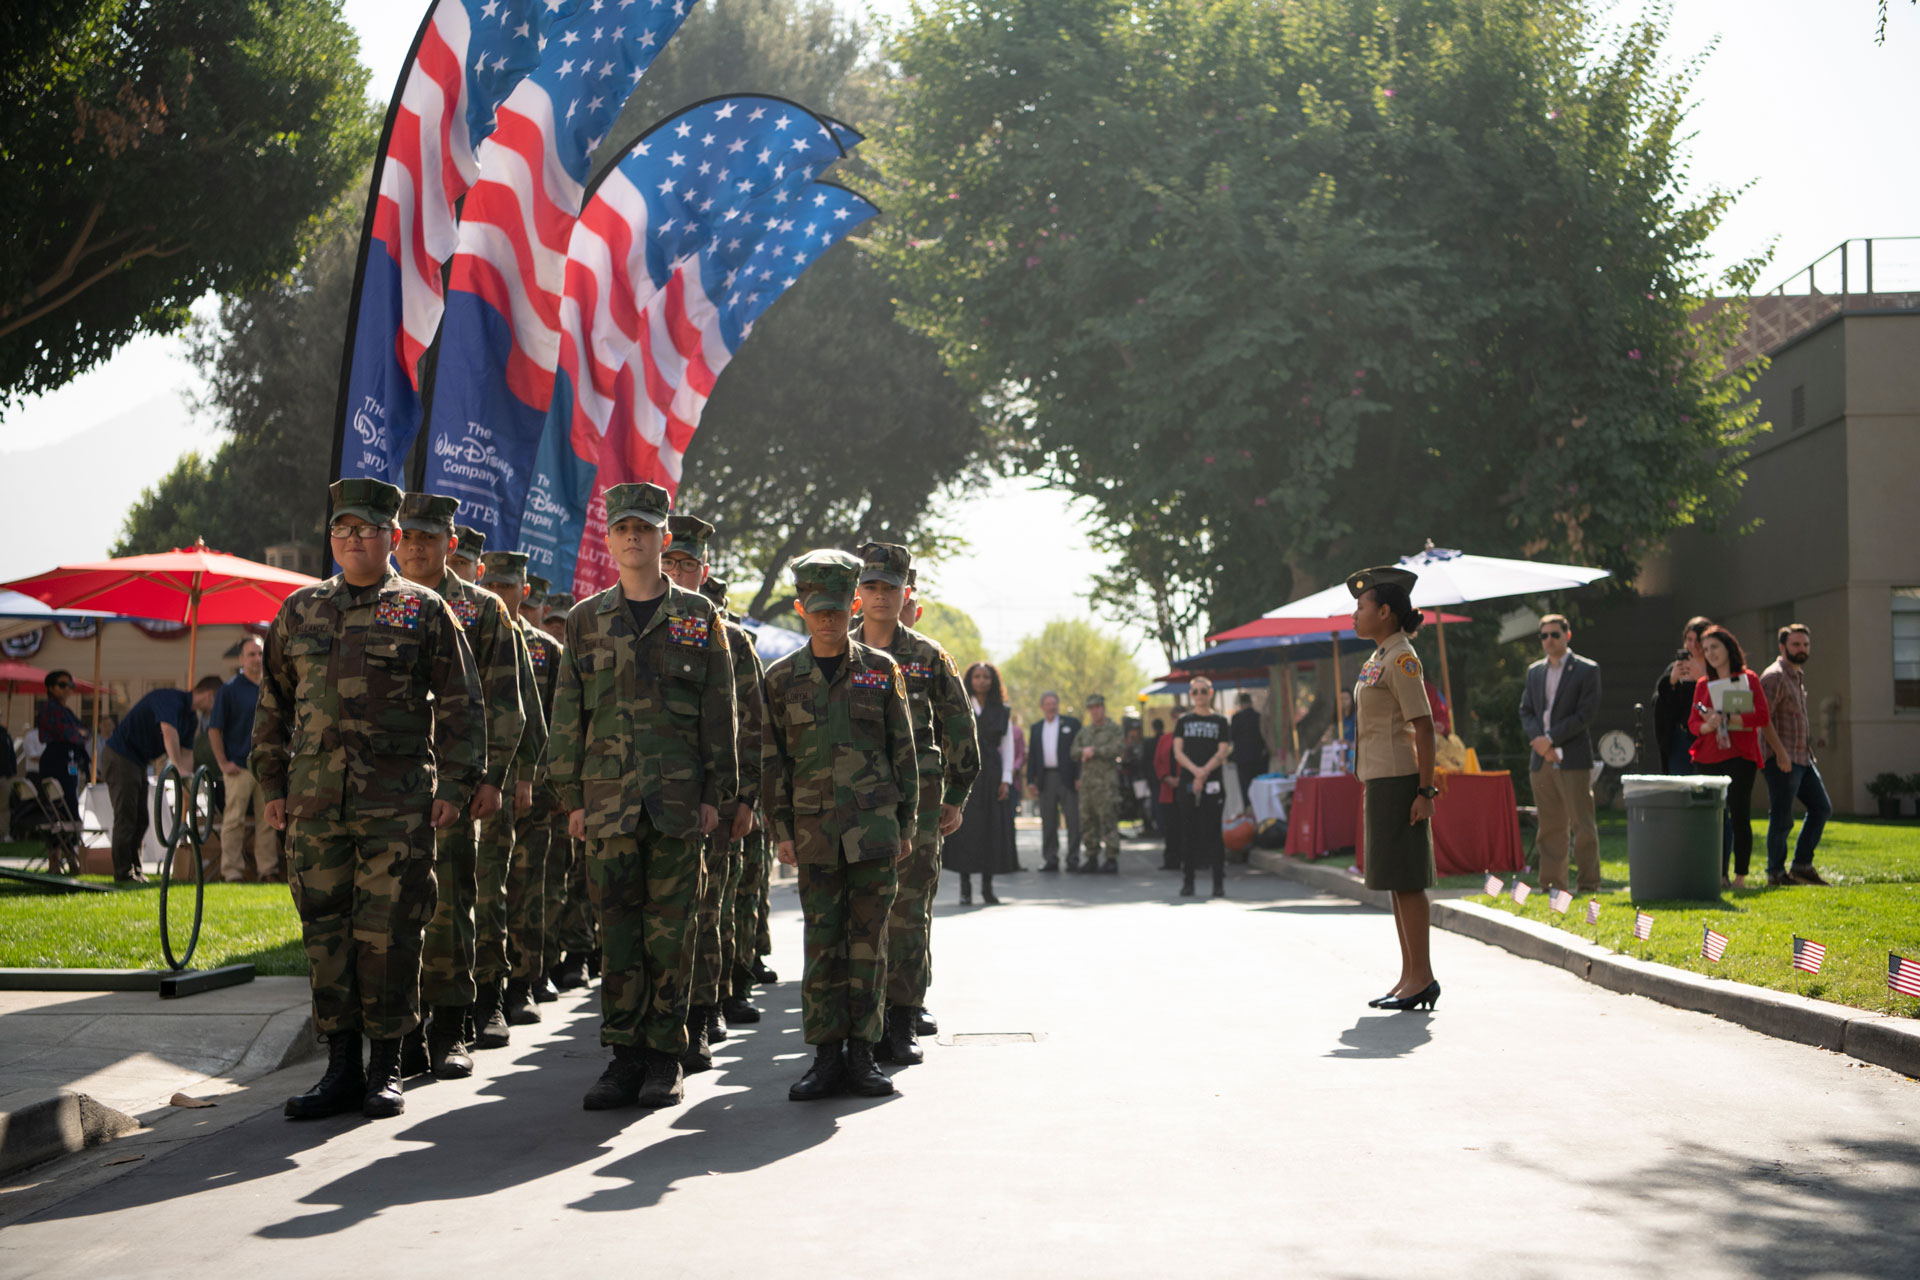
point(1729, 745)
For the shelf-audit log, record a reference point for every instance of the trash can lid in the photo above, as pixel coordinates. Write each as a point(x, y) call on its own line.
point(1651, 784)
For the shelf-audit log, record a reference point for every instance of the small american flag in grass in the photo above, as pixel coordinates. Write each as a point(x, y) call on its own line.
point(1495, 885)
point(1520, 891)
point(1642, 925)
point(1808, 955)
point(1903, 975)
point(1712, 945)
point(1593, 911)
point(1560, 900)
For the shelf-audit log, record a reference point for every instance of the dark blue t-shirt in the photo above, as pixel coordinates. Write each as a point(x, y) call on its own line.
point(232, 715)
point(138, 736)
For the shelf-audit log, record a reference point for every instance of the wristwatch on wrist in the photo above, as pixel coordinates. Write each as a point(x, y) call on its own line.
point(1430, 792)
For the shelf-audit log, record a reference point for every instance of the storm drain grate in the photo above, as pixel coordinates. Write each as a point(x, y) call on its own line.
point(967, 1039)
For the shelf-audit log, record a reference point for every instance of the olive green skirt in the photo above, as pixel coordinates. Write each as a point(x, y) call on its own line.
point(1399, 854)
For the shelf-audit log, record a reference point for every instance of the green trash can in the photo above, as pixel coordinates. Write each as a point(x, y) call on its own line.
point(1674, 827)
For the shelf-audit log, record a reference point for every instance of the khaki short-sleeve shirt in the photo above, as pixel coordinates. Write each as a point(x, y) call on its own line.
point(1389, 696)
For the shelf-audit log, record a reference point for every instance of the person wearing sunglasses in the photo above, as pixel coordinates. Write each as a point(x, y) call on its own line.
point(1557, 707)
point(63, 739)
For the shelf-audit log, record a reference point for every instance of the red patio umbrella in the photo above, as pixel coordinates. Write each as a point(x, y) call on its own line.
point(22, 677)
point(190, 584)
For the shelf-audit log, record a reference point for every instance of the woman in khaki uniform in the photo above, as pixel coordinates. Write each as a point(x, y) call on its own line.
point(1394, 761)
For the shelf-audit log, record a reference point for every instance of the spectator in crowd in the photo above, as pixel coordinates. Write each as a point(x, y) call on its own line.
point(1792, 773)
point(230, 731)
point(161, 724)
point(1249, 746)
point(1053, 776)
point(63, 740)
point(983, 845)
point(1729, 744)
point(1168, 773)
point(1201, 745)
point(1673, 700)
point(1557, 707)
point(9, 770)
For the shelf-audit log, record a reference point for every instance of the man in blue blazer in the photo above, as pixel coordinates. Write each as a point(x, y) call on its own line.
point(1557, 708)
point(1053, 774)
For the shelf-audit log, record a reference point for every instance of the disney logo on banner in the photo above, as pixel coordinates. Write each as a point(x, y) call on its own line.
point(372, 434)
point(542, 512)
point(472, 458)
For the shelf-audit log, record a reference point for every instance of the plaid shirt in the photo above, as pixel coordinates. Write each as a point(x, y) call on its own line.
point(1786, 692)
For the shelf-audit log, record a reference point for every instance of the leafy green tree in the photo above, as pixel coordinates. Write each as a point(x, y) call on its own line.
point(1287, 289)
point(158, 150)
point(956, 631)
point(1073, 658)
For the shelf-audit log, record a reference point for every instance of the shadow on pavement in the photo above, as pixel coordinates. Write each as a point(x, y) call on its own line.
point(1387, 1035)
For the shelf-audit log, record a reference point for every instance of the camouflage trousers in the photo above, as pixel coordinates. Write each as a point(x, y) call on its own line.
point(910, 921)
point(763, 904)
point(1099, 821)
point(646, 889)
point(490, 898)
point(527, 894)
point(560, 859)
point(713, 949)
point(749, 913)
point(364, 891)
point(446, 958)
point(843, 991)
point(579, 928)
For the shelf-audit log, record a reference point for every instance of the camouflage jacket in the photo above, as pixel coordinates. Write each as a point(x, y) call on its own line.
point(489, 633)
point(544, 652)
point(839, 775)
point(533, 739)
point(644, 723)
point(750, 710)
point(368, 708)
point(1106, 740)
point(943, 732)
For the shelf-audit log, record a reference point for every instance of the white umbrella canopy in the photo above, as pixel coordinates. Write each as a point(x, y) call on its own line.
point(1454, 577)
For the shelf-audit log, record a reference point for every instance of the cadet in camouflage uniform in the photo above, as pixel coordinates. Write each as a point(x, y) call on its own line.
point(1101, 743)
point(469, 545)
point(949, 755)
point(723, 856)
point(553, 889)
point(447, 985)
point(579, 932)
point(842, 787)
point(643, 757)
point(367, 738)
point(749, 910)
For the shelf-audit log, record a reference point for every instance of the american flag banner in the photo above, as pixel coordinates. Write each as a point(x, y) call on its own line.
point(1713, 945)
point(1495, 885)
point(500, 341)
point(696, 324)
point(1642, 925)
point(1808, 955)
point(1520, 891)
point(467, 57)
point(1903, 975)
point(1593, 911)
point(1560, 900)
point(692, 176)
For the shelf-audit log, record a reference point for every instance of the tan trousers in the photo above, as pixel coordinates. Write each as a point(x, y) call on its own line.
point(244, 800)
point(1565, 800)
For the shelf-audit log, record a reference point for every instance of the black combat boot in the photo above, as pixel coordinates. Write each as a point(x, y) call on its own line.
point(342, 1088)
point(1113, 867)
point(740, 1011)
point(447, 1055)
point(699, 1054)
point(519, 1008)
point(572, 972)
point(825, 1078)
point(383, 1099)
point(923, 1023)
point(664, 1086)
point(593, 963)
point(619, 1084)
point(490, 1023)
point(863, 1076)
point(902, 1044)
point(544, 992)
point(413, 1053)
point(716, 1029)
point(763, 975)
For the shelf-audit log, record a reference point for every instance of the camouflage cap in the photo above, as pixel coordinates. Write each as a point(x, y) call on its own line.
point(428, 513)
point(715, 589)
point(690, 535)
point(825, 580)
point(374, 501)
point(559, 605)
point(537, 589)
point(471, 543)
point(1382, 576)
point(504, 567)
point(647, 502)
point(885, 562)
point(1096, 699)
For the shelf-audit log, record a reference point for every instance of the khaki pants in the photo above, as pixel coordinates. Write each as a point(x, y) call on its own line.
point(1565, 800)
point(245, 800)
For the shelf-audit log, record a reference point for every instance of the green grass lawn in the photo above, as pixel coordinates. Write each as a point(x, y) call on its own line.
point(121, 930)
point(1871, 908)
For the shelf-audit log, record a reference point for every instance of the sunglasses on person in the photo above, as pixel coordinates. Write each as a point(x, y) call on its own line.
point(1551, 635)
point(61, 684)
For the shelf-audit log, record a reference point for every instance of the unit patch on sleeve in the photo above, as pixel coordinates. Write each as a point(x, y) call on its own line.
point(398, 611)
point(1409, 666)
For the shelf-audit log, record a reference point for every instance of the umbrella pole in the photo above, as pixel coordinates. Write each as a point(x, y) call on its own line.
point(1446, 678)
point(193, 629)
point(93, 747)
point(1293, 718)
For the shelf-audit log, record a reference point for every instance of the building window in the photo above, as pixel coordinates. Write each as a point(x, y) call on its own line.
point(1906, 648)
point(1798, 408)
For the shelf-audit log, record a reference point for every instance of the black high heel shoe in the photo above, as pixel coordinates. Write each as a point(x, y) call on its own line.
point(1377, 1001)
point(1428, 998)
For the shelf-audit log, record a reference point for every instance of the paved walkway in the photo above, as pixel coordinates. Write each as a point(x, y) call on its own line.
point(1205, 1093)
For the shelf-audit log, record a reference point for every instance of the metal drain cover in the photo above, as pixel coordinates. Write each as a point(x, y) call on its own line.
point(964, 1039)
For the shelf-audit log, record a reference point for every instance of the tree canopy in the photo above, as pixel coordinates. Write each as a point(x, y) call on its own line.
point(156, 150)
point(1287, 289)
point(1073, 658)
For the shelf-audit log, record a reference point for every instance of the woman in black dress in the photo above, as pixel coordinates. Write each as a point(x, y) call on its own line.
point(984, 843)
point(1200, 748)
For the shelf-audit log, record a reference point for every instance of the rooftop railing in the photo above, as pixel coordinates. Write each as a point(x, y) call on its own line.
point(1855, 276)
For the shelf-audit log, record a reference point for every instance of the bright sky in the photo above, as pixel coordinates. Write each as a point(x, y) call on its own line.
point(1795, 100)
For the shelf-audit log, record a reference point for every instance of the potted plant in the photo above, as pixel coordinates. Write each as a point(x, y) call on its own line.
point(1887, 788)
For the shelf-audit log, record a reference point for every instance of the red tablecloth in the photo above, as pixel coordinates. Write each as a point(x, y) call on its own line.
point(1476, 826)
point(1324, 816)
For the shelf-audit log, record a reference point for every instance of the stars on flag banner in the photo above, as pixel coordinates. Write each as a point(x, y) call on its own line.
point(1520, 891)
point(1808, 955)
point(1713, 945)
point(1593, 911)
point(1903, 975)
point(500, 340)
point(1559, 900)
point(1495, 885)
point(1642, 925)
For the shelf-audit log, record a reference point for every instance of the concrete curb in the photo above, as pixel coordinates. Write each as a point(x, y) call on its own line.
point(287, 1038)
point(57, 1126)
point(1883, 1040)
